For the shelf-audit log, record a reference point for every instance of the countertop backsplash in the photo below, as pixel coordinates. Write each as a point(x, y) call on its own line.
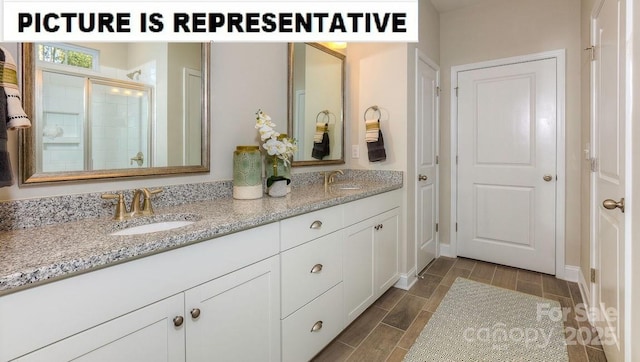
point(23, 214)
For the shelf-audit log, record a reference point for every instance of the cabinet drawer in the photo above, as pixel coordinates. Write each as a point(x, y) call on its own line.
point(309, 270)
point(300, 229)
point(300, 341)
point(368, 207)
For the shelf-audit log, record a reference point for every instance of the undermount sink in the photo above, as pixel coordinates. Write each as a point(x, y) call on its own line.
point(153, 227)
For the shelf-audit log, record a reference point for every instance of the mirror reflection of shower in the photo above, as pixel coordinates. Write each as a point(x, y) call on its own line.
point(135, 75)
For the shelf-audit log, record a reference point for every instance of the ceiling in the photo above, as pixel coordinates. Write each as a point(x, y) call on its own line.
point(448, 5)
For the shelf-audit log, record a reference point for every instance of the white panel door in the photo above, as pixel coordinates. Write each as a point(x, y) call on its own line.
point(507, 164)
point(608, 180)
point(426, 164)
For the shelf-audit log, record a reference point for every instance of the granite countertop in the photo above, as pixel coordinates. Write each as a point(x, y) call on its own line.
point(33, 256)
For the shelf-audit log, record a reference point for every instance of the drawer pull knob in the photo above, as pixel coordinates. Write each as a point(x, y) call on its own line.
point(195, 313)
point(316, 225)
point(177, 321)
point(317, 326)
point(316, 268)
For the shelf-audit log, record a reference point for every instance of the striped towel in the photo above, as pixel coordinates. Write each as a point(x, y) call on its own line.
point(373, 126)
point(16, 118)
point(321, 128)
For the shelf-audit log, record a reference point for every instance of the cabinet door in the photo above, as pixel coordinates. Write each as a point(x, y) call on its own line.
point(386, 235)
point(147, 334)
point(359, 290)
point(236, 317)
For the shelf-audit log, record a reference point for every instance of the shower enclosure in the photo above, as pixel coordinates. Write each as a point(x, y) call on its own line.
point(92, 123)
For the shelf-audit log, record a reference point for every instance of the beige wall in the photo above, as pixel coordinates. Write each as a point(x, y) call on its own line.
point(497, 29)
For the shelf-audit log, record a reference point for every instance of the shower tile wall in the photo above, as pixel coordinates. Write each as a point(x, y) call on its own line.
point(63, 115)
point(117, 133)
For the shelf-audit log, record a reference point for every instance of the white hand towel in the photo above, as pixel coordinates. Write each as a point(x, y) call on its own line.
point(372, 126)
point(16, 118)
point(321, 127)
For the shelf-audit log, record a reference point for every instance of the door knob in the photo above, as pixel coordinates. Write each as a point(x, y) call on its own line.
point(547, 178)
point(422, 177)
point(612, 204)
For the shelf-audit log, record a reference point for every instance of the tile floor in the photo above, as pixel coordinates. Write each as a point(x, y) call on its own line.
point(386, 330)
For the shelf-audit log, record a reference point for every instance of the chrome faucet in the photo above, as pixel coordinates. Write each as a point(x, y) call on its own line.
point(330, 177)
point(139, 196)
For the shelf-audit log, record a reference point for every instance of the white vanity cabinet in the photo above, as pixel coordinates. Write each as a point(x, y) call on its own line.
point(144, 310)
point(371, 258)
point(326, 271)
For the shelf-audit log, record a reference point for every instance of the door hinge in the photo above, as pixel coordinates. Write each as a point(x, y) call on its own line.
point(437, 160)
point(592, 52)
point(456, 88)
point(593, 275)
point(456, 159)
point(593, 164)
point(438, 91)
point(436, 227)
point(456, 227)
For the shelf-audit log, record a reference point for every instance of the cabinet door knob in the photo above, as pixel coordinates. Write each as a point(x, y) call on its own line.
point(316, 268)
point(195, 313)
point(423, 177)
point(177, 321)
point(317, 326)
point(316, 225)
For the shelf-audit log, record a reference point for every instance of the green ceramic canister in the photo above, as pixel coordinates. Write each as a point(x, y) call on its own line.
point(247, 173)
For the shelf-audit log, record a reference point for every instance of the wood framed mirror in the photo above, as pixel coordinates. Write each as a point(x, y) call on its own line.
point(111, 110)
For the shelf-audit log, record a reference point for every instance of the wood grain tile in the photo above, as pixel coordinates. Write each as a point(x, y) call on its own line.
point(577, 353)
point(453, 274)
point(397, 355)
point(574, 288)
point(464, 263)
point(390, 298)
point(553, 285)
point(595, 355)
point(440, 266)
point(414, 330)
point(433, 302)
point(403, 314)
point(425, 287)
point(529, 288)
point(357, 331)
point(483, 272)
point(569, 315)
point(378, 345)
point(529, 276)
point(505, 277)
point(334, 352)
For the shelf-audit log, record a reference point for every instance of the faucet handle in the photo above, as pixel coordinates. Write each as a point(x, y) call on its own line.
point(121, 209)
point(147, 209)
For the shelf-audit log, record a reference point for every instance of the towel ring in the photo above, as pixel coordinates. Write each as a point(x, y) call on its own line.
point(375, 109)
point(326, 116)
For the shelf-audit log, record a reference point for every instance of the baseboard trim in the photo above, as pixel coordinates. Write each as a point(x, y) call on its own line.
point(445, 250)
point(571, 273)
point(406, 281)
